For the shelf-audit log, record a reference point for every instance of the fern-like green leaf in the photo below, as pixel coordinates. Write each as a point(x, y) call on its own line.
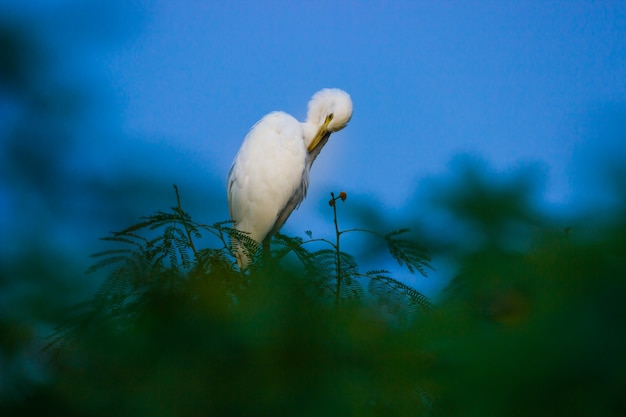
point(391, 291)
point(407, 253)
point(290, 244)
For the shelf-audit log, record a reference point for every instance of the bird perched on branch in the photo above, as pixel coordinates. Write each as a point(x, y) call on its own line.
point(270, 174)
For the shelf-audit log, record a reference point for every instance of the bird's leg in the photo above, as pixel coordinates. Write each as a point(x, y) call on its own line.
point(267, 255)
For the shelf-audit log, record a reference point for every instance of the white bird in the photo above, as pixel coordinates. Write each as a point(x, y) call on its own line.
point(270, 174)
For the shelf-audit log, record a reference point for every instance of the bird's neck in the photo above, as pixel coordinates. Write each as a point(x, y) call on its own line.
point(309, 130)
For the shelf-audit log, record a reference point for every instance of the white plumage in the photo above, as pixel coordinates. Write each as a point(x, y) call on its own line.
point(270, 174)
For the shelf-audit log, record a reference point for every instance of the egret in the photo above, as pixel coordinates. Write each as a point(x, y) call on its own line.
point(270, 174)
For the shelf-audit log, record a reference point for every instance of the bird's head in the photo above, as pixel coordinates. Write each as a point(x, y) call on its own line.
point(329, 111)
point(330, 107)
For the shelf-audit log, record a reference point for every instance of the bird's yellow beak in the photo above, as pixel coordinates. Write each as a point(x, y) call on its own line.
point(321, 133)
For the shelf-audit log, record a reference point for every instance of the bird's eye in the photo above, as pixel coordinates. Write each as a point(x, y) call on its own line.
point(329, 117)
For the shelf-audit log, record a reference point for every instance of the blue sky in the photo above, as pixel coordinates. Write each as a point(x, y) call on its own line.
point(510, 82)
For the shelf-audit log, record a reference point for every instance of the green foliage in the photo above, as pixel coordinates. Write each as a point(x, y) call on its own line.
point(534, 333)
point(401, 300)
point(177, 330)
point(336, 273)
point(158, 254)
point(407, 252)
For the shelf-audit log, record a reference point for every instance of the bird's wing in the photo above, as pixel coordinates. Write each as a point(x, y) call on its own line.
point(300, 193)
point(266, 176)
point(230, 183)
point(293, 203)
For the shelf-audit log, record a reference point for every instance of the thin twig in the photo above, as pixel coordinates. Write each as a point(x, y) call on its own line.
point(362, 230)
point(319, 240)
point(337, 250)
point(182, 216)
